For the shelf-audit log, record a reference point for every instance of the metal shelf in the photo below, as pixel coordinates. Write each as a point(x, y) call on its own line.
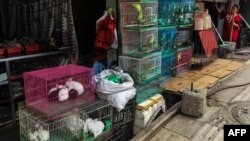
point(33, 56)
point(13, 97)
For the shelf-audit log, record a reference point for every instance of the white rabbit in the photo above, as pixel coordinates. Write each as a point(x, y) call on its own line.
point(63, 94)
point(74, 123)
point(55, 88)
point(43, 134)
point(75, 85)
point(33, 136)
point(94, 126)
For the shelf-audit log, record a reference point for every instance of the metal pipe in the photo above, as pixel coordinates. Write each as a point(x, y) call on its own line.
point(244, 21)
point(217, 33)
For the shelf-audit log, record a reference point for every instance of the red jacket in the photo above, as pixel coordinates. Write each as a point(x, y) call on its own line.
point(105, 32)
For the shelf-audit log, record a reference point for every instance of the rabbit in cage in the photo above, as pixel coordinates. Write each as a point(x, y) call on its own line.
point(71, 84)
point(74, 123)
point(94, 126)
point(39, 134)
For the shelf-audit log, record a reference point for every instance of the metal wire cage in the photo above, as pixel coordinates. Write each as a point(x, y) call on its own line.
point(168, 64)
point(38, 85)
point(68, 126)
point(166, 38)
point(167, 12)
point(142, 69)
point(139, 13)
point(183, 59)
point(139, 42)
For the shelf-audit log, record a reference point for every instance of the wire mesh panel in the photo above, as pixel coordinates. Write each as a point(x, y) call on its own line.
point(189, 9)
point(175, 12)
point(139, 42)
point(168, 64)
point(183, 38)
point(139, 13)
point(184, 57)
point(146, 91)
point(166, 38)
point(124, 132)
point(70, 126)
point(56, 90)
point(167, 12)
point(125, 116)
point(143, 69)
point(33, 127)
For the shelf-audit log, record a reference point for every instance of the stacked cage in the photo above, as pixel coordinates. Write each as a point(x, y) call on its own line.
point(139, 38)
point(61, 105)
point(166, 39)
point(140, 56)
point(144, 69)
point(70, 126)
point(123, 122)
point(184, 50)
point(175, 12)
point(184, 57)
point(56, 90)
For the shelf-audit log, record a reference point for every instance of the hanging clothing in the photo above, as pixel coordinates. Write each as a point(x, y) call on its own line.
point(39, 20)
point(106, 34)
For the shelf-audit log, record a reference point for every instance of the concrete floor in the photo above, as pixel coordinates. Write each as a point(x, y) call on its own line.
point(210, 126)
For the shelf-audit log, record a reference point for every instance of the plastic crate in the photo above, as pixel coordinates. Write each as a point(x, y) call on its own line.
point(167, 12)
point(14, 51)
point(124, 132)
point(2, 53)
point(37, 85)
point(166, 38)
point(68, 126)
point(139, 13)
point(144, 69)
point(30, 49)
point(139, 42)
point(184, 57)
point(125, 116)
point(168, 64)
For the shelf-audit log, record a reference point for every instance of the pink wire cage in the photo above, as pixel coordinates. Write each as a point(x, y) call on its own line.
point(37, 85)
point(184, 57)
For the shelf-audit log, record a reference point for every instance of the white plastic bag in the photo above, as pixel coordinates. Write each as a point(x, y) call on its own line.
point(108, 87)
point(120, 99)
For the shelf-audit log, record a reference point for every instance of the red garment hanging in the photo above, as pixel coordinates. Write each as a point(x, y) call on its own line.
point(105, 32)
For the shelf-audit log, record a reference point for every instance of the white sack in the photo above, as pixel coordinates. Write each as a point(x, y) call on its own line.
point(120, 99)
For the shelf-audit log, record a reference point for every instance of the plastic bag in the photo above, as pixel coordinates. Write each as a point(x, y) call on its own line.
point(114, 78)
point(105, 86)
point(120, 99)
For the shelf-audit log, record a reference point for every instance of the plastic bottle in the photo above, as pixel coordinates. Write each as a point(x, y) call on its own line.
point(207, 20)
